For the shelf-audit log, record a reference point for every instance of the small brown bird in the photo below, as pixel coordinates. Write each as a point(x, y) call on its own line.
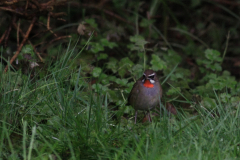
point(146, 93)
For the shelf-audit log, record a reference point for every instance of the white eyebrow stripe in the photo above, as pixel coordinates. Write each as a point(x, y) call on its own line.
point(151, 74)
point(144, 74)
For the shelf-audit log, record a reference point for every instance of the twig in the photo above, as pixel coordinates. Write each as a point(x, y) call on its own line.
point(44, 31)
point(56, 15)
point(48, 22)
point(56, 39)
point(225, 50)
point(36, 3)
point(105, 11)
point(7, 35)
point(23, 42)
point(9, 30)
point(11, 3)
point(61, 19)
point(228, 2)
point(3, 36)
point(34, 48)
point(18, 27)
point(26, 7)
point(10, 10)
point(117, 16)
point(48, 25)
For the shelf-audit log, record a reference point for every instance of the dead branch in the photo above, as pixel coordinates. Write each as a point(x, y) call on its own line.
point(3, 36)
point(104, 10)
point(56, 39)
point(23, 42)
point(23, 35)
point(10, 10)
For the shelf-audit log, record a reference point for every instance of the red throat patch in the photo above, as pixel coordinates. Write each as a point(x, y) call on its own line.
point(148, 84)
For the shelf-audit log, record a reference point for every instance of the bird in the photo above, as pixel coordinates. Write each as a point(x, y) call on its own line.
point(146, 93)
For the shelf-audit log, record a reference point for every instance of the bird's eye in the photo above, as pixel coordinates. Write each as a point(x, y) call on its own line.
point(151, 77)
point(144, 77)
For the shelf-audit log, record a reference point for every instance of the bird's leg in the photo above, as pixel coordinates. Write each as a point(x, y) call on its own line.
point(135, 116)
point(149, 117)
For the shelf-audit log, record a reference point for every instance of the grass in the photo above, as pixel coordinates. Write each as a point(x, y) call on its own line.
point(57, 117)
point(61, 116)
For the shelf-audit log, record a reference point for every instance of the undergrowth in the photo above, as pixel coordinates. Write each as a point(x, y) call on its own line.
point(75, 107)
point(60, 116)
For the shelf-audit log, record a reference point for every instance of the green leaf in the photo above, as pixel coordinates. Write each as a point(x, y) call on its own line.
point(213, 55)
point(235, 100)
point(132, 47)
point(106, 43)
point(124, 65)
point(81, 81)
point(182, 84)
point(174, 91)
point(97, 47)
point(173, 57)
point(104, 79)
point(54, 121)
point(209, 103)
point(157, 63)
point(137, 70)
point(27, 49)
point(146, 22)
point(218, 67)
point(102, 56)
point(96, 72)
point(129, 88)
point(212, 76)
point(195, 3)
point(122, 82)
point(98, 87)
point(224, 97)
point(112, 64)
point(112, 78)
point(181, 73)
point(215, 84)
point(138, 40)
point(92, 22)
point(114, 96)
point(226, 73)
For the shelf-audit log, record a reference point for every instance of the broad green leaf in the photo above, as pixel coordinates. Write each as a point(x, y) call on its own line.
point(172, 57)
point(105, 42)
point(102, 56)
point(97, 47)
point(157, 63)
point(137, 70)
point(174, 91)
point(27, 49)
point(81, 81)
point(122, 82)
point(104, 78)
point(92, 22)
point(138, 40)
point(112, 64)
point(224, 97)
point(218, 67)
point(98, 87)
point(125, 64)
point(114, 95)
point(235, 100)
point(96, 72)
point(209, 103)
point(213, 55)
point(146, 22)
